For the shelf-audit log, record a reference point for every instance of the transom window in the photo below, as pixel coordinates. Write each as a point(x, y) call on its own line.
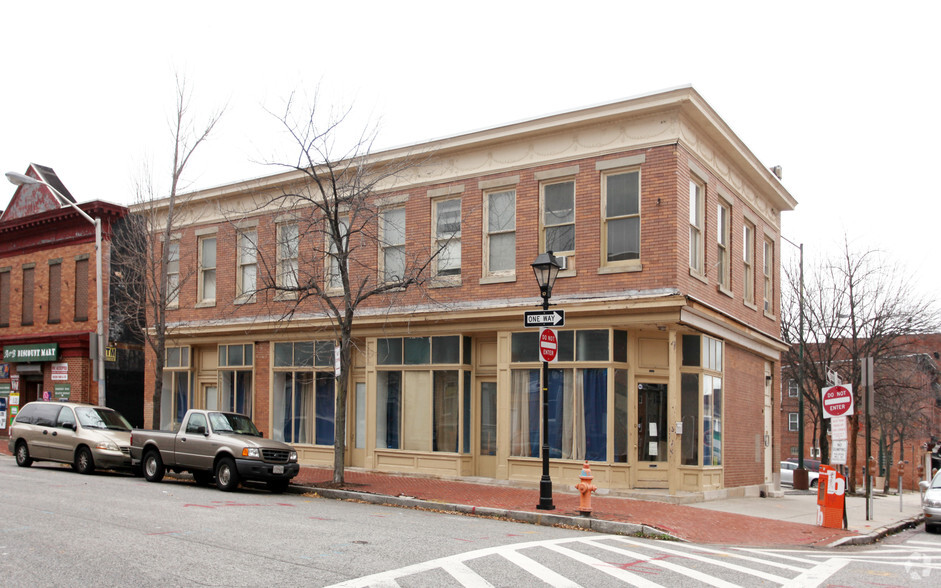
point(621, 216)
point(558, 219)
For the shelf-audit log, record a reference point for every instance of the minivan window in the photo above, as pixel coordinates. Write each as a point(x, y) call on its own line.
point(46, 415)
point(66, 418)
point(92, 417)
point(26, 414)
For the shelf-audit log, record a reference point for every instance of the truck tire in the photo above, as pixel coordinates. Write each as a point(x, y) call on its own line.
point(152, 466)
point(22, 455)
point(227, 475)
point(84, 461)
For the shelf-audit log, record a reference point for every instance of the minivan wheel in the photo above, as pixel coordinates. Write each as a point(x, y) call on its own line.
point(227, 477)
point(153, 466)
point(22, 455)
point(84, 462)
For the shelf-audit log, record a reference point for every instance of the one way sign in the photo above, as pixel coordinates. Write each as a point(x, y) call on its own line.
point(544, 318)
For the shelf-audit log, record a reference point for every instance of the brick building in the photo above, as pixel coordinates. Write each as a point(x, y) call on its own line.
point(48, 318)
point(669, 229)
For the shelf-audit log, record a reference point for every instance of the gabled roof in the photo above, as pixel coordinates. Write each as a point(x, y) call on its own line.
point(31, 199)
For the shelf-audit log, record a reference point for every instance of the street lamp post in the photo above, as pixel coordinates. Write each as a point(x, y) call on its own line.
point(21, 180)
point(546, 267)
point(801, 480)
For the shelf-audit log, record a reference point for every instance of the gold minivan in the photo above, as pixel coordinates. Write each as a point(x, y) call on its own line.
point(83, 435)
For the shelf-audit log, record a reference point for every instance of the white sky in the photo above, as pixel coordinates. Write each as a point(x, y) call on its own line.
point(843, 95)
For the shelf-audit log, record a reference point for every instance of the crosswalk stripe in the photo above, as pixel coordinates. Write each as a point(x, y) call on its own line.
point(688, 572)
point(632, 579)
point(466, 576)
point(535, 568)
point(817, 574)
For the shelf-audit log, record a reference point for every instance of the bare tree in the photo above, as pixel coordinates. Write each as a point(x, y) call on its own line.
point(153, 269)
point(856, 306)
point(331, 197)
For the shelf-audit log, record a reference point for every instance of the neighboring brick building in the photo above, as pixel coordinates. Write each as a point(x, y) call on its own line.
point(670, 230)
point(48, 317)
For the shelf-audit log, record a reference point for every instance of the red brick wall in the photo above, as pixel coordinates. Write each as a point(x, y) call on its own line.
point(744, 422)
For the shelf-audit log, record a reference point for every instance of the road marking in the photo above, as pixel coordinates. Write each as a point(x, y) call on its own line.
point(466, 576)
point(818, 574)
point(696, 575)
point(550, 577)
point(632, 579)
point(716, 562)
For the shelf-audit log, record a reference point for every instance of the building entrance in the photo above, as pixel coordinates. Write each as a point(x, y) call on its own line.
point(652, 465)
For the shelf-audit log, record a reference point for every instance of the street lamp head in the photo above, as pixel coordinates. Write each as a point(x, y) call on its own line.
point(18, 179)
point(546, 267)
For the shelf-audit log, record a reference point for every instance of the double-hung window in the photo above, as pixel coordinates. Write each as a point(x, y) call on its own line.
point(247, 264)
point(207, 269)
point(55, 292)
point(558, 217)
point(697, 193)
point(723, 233)
point(621, 200)
point(768, 268)
point(500, 254)
point(447, 226)
point(793, 422)
point(334, 281)
point(748, 258)
point(288, 251)
point(173, 274)
point(392, 240)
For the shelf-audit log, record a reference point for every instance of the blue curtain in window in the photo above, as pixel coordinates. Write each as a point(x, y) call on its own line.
point(556, 411)
point(534, 400)
point(393, 408)
point(325, 407)
point(242, 387)
point(288, 409)
point(182, 395)
point(595, 386)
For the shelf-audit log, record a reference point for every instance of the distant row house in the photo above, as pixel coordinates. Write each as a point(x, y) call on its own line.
point(669, 231)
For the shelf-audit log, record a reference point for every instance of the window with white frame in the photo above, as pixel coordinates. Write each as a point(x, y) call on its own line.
point(235, 378)
point(558, 217)
point(792, 389)
point(697, 192)
point(247, 264)
point(334, 278)
point(392, 239)
point(288, 250)
point(500, 254)
point(304, 392)
point(447, 234)
point(768, 268)
point(621, 200)
point(723, 240)
point(792, 421)
point(748, 258)
point(173, 274)
point(176, 396)
point(207, 269)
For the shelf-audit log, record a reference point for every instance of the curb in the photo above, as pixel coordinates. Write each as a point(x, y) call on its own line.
point(881, 532)
point(520, 516)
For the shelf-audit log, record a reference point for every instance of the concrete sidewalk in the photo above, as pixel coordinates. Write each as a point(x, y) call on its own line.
point(788, 520)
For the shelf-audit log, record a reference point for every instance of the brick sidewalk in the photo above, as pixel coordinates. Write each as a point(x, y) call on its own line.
point(689, 523)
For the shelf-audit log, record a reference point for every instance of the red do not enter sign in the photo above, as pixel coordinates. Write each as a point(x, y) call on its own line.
point(838, 401)
point(548, 345)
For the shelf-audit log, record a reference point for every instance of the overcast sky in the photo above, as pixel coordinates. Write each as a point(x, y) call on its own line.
point(843, 95)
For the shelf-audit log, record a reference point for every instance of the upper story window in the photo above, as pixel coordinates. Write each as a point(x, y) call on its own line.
point(793, 421)
point(500, 246)
point(392, 239)
point(748, 258)
point(81, 288)
point(173, 274)
point(29, 276)
point(621, 201)
point(697, 192)
point(723, 240)
point(5, 297)
point(768, 265)
point(55, 292)
point(288, 249)
point(207, 269)
point(447, 235)
point(334, 281)
point(792, 389)
point(247, 264)
point(558, 217)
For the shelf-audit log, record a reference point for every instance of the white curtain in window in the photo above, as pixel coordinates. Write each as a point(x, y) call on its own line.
point(519, 414)
point(416, 418)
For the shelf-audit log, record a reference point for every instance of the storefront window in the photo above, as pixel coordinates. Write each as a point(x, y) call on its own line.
point(620, 416)
point(176, 395)
point(689, 409)
point(701, 401)
point(304, 397)
point(235, 385)
point(712, 421)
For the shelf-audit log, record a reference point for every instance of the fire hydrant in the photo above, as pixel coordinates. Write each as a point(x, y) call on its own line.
point(585, 488)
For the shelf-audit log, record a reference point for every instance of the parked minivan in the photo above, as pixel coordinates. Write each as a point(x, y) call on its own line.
point(83, 435)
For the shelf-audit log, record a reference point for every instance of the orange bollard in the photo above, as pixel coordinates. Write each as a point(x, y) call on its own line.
point(585, 488)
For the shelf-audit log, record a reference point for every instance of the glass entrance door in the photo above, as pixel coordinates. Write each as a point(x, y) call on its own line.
point(652, 469)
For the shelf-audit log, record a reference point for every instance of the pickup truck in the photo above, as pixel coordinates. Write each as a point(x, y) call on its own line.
point(211, 444)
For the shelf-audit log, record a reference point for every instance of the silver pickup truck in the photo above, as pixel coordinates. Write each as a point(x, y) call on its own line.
point(211, 444)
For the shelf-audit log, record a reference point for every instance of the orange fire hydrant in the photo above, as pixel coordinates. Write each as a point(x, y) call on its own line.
point(585, 488)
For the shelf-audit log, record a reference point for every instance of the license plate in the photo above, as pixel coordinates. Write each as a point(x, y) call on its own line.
point(278, 469)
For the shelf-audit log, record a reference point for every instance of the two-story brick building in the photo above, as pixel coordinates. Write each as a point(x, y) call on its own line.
point(48, 304)
point(669, 229)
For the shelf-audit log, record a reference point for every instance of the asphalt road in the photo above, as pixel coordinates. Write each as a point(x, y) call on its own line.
point(59, 528)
